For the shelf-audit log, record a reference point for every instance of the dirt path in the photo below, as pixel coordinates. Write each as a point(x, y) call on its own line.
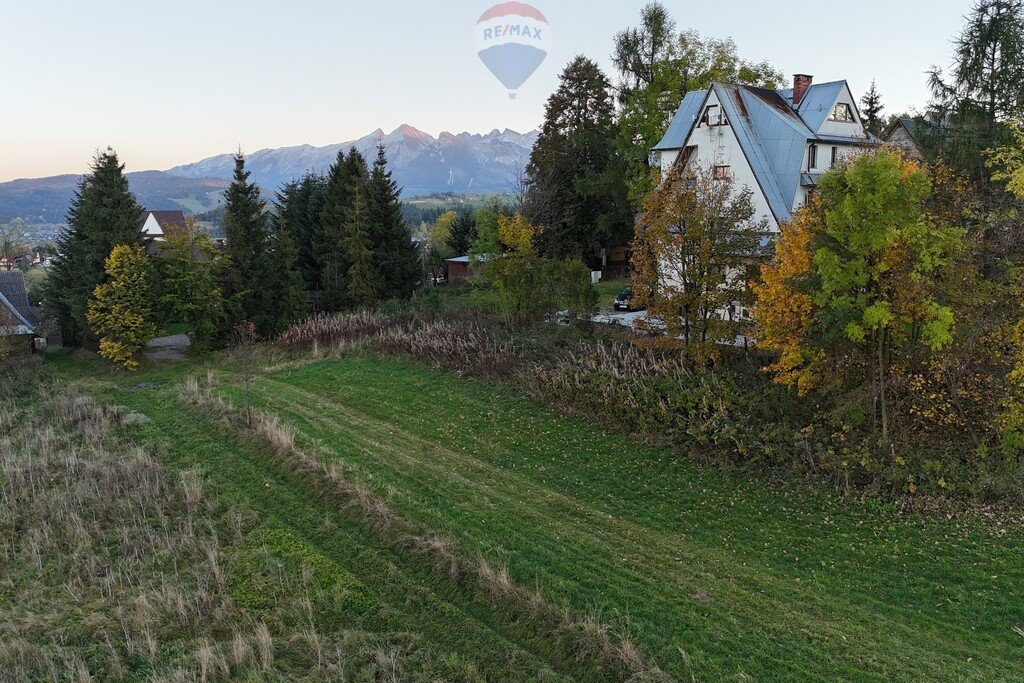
point(173, 347)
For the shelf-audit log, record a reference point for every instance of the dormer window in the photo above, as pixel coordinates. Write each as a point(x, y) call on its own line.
point(842, 112)
point(714, 116)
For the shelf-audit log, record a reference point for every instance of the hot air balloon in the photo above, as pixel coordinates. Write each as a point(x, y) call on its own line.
point(512, 39)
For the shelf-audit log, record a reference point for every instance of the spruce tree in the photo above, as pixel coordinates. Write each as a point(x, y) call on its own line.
point(245, 226)
point(396, 259)
point(463, 233)
point(103, 214)
point(871, 110)
point(360, 287)
point(576, 181)
point(347, 175)
point(284, 300)
point(300, 204)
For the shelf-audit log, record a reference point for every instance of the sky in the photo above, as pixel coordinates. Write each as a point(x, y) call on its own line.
point(166, 83)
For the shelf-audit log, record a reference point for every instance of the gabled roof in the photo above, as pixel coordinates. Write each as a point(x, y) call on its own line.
point(14, 297)
point(169, 221)
point(18, 324)
point(817, 102)
point(682, 122)
point(14, 293)
point(749, 117)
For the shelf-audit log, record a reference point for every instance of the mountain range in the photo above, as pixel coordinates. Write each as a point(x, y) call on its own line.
point(421, 164)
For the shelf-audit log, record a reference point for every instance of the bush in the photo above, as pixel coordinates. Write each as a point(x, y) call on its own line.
point(715, 414)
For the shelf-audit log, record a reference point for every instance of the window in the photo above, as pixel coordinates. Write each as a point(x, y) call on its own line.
point(835, 155)
point(723, 172)
point(714, 116)
point(812, 157)
point(842, 112)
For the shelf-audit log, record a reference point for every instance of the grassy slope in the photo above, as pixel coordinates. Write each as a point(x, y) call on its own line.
point(462, 639)
point(740, 577)
point(735, 574)
point(115, 568)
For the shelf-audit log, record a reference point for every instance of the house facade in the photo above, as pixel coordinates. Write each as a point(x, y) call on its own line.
point(777, 143)
point(156, 225)
point(905, 133)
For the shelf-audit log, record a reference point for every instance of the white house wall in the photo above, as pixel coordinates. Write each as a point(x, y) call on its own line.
point(855, 128)
point(151, 228)
point(718, 146)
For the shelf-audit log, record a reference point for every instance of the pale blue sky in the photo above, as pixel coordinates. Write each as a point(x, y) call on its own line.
point(174, 81)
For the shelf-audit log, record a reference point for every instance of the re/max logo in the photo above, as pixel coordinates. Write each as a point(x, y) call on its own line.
point(512, 30)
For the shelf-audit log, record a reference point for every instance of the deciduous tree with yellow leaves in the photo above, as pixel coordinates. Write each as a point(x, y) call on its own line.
point(119, 310)
point(854, 283)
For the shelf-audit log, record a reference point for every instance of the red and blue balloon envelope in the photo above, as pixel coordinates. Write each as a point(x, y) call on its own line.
point(512, 39)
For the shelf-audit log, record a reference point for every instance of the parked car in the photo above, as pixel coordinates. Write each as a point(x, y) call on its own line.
point(624, 301)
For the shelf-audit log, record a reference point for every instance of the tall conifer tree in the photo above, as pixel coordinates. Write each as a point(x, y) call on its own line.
point(284, 300)
point(360, 286)
point(985, 87)
point(245, 225)
point(347, 175)
point(871, 110)
point(103, 214)
point(396, 259)
point(576, 182)
point(300, 204)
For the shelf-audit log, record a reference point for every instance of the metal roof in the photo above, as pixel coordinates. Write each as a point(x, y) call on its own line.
point(772, 134)
point(754, 122)
point(818, 102)
point(23, 326)
point(679, 129)
point(14, 293)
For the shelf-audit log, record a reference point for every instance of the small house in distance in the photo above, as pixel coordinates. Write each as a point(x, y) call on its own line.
point(905, 132)
point(156, 225)
point(459, 269)
point(16, 316)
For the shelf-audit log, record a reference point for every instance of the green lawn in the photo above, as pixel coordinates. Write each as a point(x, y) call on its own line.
point(714, 574)
point(443, 632)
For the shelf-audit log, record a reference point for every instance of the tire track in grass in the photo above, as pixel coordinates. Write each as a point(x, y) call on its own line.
point(864, 614)
point(403, 589)
point(354, 419)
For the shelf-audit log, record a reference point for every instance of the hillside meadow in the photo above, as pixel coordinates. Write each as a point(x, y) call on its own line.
point(693, 571)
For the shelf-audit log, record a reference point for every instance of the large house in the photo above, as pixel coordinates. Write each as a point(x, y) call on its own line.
point(777, 143)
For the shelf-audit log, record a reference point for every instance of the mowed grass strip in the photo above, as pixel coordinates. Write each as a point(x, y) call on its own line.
point(713, 573)
point(407, 596)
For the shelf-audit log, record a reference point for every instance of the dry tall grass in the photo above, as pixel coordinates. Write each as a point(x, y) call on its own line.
point(114, 567)
point(465, 346)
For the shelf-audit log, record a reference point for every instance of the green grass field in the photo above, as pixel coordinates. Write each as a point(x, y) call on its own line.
point(713, 574)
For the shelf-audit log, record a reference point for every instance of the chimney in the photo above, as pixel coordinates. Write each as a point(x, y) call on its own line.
point(801, 82)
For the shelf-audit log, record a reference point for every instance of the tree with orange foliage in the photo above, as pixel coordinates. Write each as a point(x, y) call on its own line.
point(785, 308)
point(855, 278)
point(692, 247)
